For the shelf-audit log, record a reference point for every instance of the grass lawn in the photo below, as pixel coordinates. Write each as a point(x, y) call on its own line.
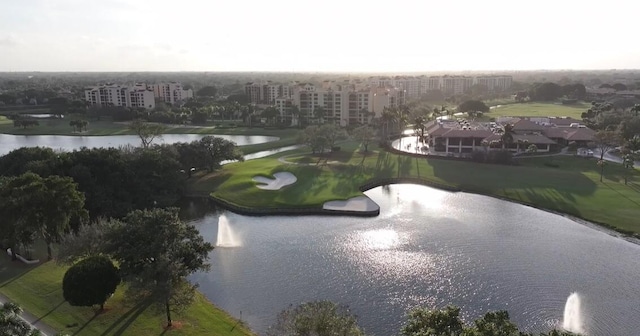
point(539, 110)
point(38, 289)
point(573, 188)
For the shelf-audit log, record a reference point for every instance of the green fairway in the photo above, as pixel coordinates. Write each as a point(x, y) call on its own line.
point(38, 289)
point(572, 188)
point(539, 110)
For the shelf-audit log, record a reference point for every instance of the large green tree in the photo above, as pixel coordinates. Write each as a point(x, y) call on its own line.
point(33, 206)
point(447, 322)
point(90, 282)
point(473, 106)
point(214, 150)
point(156, 252)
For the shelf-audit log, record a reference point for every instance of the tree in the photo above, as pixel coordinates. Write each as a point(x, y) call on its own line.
point(365, 134)
point(90, 282)
point(635, 109)
point(207, 91)
point(314, 138)
point(545, 92)
point(294, 110)
point(332, 133)
point(604, 141)
point(61, 204)
point(216, 150)
point(419, 126)
point(270, 113)
point(473, 106)
point(619, 87)
point(506, 138)
point(25, 123)
point(319, 113)
point(447, 322)
point(146, 132)
point(422, 321)
point(321, 318)
point(11, 324)
point(156, 252)
point(88, 241)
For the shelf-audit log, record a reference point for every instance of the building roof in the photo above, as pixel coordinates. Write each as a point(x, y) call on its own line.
point(571, 134)
point(563, 121)
point(458, 133)
point(581, 134)
point(533, 139)
point(526, 125)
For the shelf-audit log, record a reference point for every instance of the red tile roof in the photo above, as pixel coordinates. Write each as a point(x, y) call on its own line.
point(526, 125)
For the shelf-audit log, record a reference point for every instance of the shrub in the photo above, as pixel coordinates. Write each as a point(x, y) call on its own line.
point(335, 148)
point(478, 156)
point(500, 157)
point(90, 282)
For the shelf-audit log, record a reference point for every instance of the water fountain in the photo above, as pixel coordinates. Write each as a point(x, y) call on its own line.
point(572, 319)
point(226, 236)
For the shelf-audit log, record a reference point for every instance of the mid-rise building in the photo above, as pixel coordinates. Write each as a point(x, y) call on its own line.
point(338, 103)
point(137, 96)
point(171, 93)
point(495, 83)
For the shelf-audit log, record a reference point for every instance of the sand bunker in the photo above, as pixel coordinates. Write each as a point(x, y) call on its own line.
point(357, 204)
point(282, 179)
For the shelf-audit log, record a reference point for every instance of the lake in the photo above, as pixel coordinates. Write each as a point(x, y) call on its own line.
point(67, 143)
point(428, 247)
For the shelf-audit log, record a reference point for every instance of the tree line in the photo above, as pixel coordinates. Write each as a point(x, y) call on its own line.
point(328, 318)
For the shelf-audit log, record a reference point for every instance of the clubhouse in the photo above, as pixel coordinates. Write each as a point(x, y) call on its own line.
point(548, 134)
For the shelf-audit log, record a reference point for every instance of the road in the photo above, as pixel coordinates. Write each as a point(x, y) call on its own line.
point(32, 320)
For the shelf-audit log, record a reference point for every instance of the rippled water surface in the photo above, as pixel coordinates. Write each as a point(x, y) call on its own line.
point(428, 247)
point(63, 142)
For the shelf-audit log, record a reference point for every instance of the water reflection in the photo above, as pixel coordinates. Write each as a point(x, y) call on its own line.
point(428, 247)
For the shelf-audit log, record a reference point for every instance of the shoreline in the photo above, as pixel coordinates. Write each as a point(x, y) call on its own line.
point(318, 211)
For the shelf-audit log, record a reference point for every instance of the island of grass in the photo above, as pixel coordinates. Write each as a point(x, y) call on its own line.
point(38, 290)
point(535, 109)
point(565, 184)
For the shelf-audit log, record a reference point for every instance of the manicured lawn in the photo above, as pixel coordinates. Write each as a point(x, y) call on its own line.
point(573, 188)
point(539, 110)
point(38, 289)
point(4, 121)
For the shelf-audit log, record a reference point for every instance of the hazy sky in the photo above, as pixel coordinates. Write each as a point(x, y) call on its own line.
point(321, 35)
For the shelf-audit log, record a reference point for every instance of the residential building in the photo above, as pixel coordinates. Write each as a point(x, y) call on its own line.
point(137, 96)
point(495, 83)
point(171, 93)
point(340, 103)
point(266, 93)
point(455, 85)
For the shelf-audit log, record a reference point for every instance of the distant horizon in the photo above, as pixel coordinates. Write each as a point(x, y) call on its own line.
point(324, 72)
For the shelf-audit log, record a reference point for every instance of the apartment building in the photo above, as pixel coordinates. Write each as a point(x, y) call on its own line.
point(455, 85)
point(137, 96)
point(338, 103)
point(266, 93)
point(495, 83)
point(171, 93)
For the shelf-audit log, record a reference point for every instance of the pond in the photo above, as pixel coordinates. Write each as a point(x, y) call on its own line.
point(67, 143)
point(428, 247)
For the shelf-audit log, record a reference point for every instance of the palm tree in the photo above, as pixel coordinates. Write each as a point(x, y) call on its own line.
point(388, 117)
point(507, 136)
point(419, 127)
point(319, 113)
point(295, 114)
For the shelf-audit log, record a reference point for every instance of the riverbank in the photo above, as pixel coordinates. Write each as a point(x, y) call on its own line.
point(570, 187)
point(38, 290)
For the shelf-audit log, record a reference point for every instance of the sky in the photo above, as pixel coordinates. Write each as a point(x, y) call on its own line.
point(317, 36)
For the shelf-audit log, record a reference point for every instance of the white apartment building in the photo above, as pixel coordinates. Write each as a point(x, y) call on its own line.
point(495, 83)
point(171, 93)
point(341, 103)
point(137, 96)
